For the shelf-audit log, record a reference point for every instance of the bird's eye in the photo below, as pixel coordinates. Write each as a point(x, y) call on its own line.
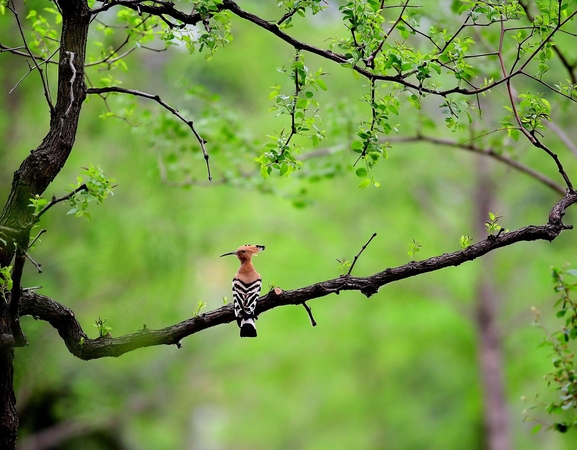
point(242, 251)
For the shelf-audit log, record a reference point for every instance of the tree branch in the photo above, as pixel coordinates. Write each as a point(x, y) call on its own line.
point(165, 8)
point(157, 99)
point(530, 135)
point(81, 346)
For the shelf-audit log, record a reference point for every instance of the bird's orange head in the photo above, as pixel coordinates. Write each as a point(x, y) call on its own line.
point(245, 252)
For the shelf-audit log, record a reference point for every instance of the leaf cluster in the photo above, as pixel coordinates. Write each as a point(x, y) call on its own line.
point(302, 107)
point(103, 330)
point(561, 342)
point(97, 188)
point(492, 225)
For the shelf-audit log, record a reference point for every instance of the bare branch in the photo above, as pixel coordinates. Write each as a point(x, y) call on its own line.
point(31, 68)
point(359, 254)
point(34, 263)
point(42, 231)
point(29, 52)
point(487, 152)
point(109, 60)
point(14, 50)
point(310, 313)
point(157, 99)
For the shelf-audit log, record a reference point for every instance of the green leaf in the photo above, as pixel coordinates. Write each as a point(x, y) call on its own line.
point(357, 146)
point(321, 84)
point(361, 172)
point(264, 171)
point(365, 183)
point(302, 103)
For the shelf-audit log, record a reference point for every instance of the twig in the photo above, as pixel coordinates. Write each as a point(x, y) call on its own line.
point(38, 266)
point(310, 313)
point(44, 82)
point(31, 288)
point(370, 62)
point(359, 254)
point(31, 68)
point(157, 99)
point(36, 238)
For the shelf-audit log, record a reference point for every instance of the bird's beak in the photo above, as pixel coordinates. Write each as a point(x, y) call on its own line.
point(226, 254)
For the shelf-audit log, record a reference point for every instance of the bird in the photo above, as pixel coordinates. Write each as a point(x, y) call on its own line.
point(246, 286)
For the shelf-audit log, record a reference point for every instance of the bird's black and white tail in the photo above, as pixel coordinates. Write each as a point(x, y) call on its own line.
point(245, 296)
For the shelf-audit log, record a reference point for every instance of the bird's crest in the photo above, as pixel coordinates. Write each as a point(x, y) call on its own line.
point(246, 250)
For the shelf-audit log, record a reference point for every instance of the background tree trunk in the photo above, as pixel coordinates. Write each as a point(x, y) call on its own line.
point(486, 317)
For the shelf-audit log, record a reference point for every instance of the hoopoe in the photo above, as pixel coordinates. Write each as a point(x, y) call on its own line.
point(246, 286)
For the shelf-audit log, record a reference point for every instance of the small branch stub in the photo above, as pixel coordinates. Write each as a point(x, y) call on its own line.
point(310, 313)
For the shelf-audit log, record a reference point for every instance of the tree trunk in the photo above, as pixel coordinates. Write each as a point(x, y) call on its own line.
point(490, 353)
point(8, 415)
point(36, 172)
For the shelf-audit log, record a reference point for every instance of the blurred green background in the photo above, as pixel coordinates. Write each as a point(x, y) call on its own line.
point(399, 370)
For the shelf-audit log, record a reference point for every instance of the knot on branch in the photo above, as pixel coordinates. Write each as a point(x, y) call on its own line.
point(369, 290)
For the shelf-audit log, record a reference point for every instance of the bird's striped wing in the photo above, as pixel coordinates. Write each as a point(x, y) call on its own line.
point(245, 296)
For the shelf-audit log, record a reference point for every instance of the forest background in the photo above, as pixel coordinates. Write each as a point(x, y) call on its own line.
point(402, 369)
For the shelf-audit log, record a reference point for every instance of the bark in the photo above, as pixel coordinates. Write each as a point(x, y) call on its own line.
point(8, 414)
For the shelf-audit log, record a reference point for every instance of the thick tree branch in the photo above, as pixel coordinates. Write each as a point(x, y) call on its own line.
point(43, 164)
point(165, 8)
point(78, 343)
point(369, 74)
